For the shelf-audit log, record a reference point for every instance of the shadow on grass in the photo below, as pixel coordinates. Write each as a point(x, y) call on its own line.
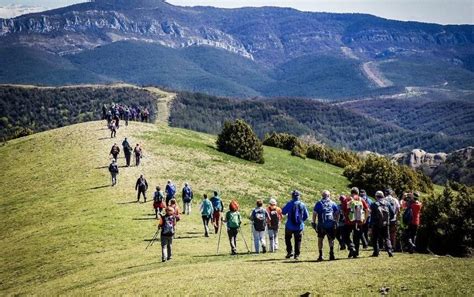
point(188, 237)
point(128, 202)
point(104, 138)
point(99, 187)
point(267, 260)
point(142, 219)
point(221, 255)
point(289, 261)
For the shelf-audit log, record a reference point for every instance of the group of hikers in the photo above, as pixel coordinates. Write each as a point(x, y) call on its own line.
point(127, 150)
point(117, 112)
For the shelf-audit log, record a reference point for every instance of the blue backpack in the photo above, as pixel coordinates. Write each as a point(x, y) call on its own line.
point(327, 215)
point(407, 216)
point(216, 203)
point(297, 213)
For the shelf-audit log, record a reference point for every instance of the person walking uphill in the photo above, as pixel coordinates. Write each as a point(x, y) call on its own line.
point(326, 212)
point(114, 171)
point(259, 218)
point(138, 154)
point(381, 213)
point(273, 224)
point(170, 191)
point(167, 225)
point(187, 196)
point(233, 221)
point(141, 186)
point(115, 151)
point(356, 212)
point(218, 208)
point(297, 215)
point(127, 150)
point(158, 204)
point(206, 213)
point(411, 218)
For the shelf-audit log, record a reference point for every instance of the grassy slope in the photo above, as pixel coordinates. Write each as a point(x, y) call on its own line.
point(64, 230)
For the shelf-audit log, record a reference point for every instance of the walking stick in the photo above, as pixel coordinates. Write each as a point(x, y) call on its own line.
point(219, 240)
point(243, 237)
point(153, 239)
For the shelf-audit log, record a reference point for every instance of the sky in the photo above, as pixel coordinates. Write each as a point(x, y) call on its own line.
point(432, 11)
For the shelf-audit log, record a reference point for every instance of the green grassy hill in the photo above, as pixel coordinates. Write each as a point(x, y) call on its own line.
point(64, 230)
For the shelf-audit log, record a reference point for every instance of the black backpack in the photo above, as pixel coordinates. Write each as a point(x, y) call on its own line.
point(382, 213)
point(113, 168)
point(259, 220)
point(274, 220)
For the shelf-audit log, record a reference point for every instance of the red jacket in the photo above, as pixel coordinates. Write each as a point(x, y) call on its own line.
point(416, 210)
point(346, 210)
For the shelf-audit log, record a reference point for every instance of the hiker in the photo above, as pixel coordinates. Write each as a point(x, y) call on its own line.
point(340, 225)
point(206, 213)
point(365, 227)
point(218, 207)
point(141, 186)
point(259, 218)
point(114, 171)
point(167, 225)
point(138, 154)
point(327, 214)
point(127, 150)
point(117, 120)
point(382, 213)
point(104, 111)
point(297, 214)
point(233, 221)
point(394, 220)
point(187, 196)
point(411, 218)
point(113, 129)
point(158, 204)
point(273, 224)
point(108, 117)
point(126, 116)
point(115, 151)
point(170, 191)
point(177, 211)
point(356, 212)
point(146, 114)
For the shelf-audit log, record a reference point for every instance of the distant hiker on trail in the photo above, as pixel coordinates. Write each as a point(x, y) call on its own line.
point(113, 129)
point(127, 150)
point(273, 224)
point(146, 114)
point(116, 118)
point(381, 213)
point(108, 117)
point(114, 171)
point(394, 220)
point(187, 196)
point(158, 203)
point(326, 213)
point(126, 116)
point(167, 225)
point(411, 217)
point(259, 218)
point(104, 111)
point(218, 207)
point(233, 221)
point(356, 212)
point(177, 211)
point(341, 228)
point(365, 227)
point(170, 191)
point(141, 186)
point(138, 154)
point(297, 214)
point(115, 151)
point(206, 213)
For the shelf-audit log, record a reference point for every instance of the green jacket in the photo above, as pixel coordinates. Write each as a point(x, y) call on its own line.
point(206, 208)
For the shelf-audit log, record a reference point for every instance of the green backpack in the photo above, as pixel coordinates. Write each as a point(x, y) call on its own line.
point(356, 211)
point(233, 219)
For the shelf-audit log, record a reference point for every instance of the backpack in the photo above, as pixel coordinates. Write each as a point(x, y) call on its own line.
point(158, 197)
point(297, 213)
point(356, 211)
point(113, 168)
point(234, 205)
point(407, 216)
point(115, 150)
point(382, 214)
point(187, 194)
point(216, 203)
point(259, 219)
point(274, 220)
point(167, 228)
point(233, 220)
point(327, 215)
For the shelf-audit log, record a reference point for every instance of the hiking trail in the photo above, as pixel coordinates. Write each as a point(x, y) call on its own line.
point(372, 72)
point(163, 104)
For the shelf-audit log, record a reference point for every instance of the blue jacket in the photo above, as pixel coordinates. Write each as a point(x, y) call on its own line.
point(288, 210)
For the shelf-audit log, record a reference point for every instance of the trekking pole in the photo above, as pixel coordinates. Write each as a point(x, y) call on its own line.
point(219, 240)
point(153, 239)
point(243, 237)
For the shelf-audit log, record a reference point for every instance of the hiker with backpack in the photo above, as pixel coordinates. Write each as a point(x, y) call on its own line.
point(113, 129)
point(218, 207)
point(127, 150)
point(138, 154)
point(115, 151)
point(114, 171)
point(297, 214)
point(116, 118)
point(158, 204)
point(382, 213)
point(326, 213)
point(170, 191)
point(273, 224)
point(167, 225)
point(356, 212)
point(365, 227)
point(206, 213)
point(233, 222)
point(259, 218)
point(187, 196)
point(411, 218)
point(394, 220)
point(141, 186)
point(177, 211)
point(341, 228)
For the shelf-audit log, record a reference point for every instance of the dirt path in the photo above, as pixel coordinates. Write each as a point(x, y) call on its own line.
point(163, 103)
point(371, 71)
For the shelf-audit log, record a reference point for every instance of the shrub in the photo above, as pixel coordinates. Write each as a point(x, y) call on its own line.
point(238, 139)
point(282, 140)
point(299, 150)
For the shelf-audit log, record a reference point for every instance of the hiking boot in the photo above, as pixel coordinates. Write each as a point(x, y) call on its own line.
point(297, 258)
point(390, 254)
point(264, 249)
point(342, 248)
point(320, 259)
point(288, 256)
point(163, 260)
point(351, 253)
point(374, 255)
point(331, 257)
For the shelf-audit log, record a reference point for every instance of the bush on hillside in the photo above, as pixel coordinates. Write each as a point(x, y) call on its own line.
point(238, 139)
point(281, 140)
point(299, 150)
point(447, 223)
point(332, 156)
point(378, 173)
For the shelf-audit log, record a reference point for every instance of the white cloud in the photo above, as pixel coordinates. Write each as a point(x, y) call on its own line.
point(13, 10)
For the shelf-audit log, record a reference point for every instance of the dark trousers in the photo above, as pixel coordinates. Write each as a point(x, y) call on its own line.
point(113, 133)
point(393, 233)
point(340, 236)
point(205, 221)
point(115, 156)
point(137, 159)
point(353, 243)
point(381, 234)
point(140, 191)
point(127, 158)
point(114, 178)
point(365, 235)
point(411, 236)
point(298, 235)
point(166, 245)
point(232, 233)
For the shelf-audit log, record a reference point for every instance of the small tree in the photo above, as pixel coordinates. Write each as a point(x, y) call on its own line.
point(238, 139)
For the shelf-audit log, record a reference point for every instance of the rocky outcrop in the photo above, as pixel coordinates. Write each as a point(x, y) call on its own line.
point(418, 157)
